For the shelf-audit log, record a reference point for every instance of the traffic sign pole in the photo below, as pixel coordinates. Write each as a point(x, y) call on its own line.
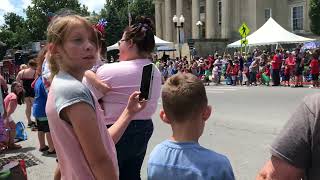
point(243, 31)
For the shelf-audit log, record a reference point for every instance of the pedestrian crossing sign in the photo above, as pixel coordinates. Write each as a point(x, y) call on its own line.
point(244, 30)
point(244, 41)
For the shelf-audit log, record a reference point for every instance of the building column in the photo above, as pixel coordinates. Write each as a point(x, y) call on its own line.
point(210, 19)
point(225, 24)
point(158, 18)
point(168, 20)
point(195, 18)
point(179, 8)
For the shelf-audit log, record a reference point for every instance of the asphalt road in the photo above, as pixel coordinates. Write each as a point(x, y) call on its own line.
point(244, 122)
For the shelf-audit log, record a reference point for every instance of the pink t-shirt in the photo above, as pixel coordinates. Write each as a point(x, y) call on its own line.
point(125, 78)
point(65, 90)
point(11, 97)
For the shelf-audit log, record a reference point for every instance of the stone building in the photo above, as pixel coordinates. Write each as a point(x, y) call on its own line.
point(221, 19)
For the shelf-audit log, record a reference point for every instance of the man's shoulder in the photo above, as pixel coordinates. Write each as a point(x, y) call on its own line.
point(312, 102)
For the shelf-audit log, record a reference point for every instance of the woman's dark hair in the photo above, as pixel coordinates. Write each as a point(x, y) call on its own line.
point(20, 96)
point(141, 33)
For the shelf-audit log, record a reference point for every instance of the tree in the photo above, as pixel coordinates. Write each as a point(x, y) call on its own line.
point(13, 21)
point(112, 12)
point(14, 31)
point(142, 8)
point(116, 13)
point(38, 14)
point(314, 15)
point(6, 37)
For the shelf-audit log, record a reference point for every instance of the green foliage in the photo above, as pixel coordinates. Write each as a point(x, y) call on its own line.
point(14, 32)
point(13, 21)
point(314, 15)
point(142, 8)
point(38, 14)
point(18, 31)
point(117, 14)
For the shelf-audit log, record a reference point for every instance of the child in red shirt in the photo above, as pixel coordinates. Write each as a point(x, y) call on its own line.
point(314, 66)
point(286, 75)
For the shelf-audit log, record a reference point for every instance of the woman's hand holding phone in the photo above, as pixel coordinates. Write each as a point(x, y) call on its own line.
point(134, 104)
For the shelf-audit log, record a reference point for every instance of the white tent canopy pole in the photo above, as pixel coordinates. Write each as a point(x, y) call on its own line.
point(271, 33)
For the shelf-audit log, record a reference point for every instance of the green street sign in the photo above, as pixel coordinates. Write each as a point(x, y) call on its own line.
point(244, 30)
point(244, 41)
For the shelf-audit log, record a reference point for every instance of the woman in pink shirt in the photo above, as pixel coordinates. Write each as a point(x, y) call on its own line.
point(136, 46)
point(10, 105)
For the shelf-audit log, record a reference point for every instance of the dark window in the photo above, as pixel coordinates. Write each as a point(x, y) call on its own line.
point(219, 12)
point(297, 18)
point(267, 14)
point(202, 9)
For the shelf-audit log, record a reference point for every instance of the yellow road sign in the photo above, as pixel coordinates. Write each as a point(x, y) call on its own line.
point(244, 41)
point(244, 30)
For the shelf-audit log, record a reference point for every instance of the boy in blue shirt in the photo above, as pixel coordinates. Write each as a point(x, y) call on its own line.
point(186, 109)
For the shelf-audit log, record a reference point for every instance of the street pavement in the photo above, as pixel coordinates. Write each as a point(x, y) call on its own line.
point(244, 122)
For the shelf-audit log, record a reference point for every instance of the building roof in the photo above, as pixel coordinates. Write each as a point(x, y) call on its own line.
point(271, 33)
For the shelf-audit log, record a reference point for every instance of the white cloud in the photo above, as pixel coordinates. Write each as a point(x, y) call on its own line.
point(93, 5)
point(1, 19)
point(17, 6)
point(6, 6)
point(25, 3)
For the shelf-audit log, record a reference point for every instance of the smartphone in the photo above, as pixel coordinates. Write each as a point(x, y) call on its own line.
point(146, 82)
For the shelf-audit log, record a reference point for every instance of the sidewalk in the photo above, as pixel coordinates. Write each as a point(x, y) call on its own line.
point(41, 167)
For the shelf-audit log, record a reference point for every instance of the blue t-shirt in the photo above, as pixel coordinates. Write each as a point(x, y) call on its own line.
point(187, 161)
point(40, 99)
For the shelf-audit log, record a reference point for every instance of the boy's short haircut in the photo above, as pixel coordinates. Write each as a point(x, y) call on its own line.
point(183, 97)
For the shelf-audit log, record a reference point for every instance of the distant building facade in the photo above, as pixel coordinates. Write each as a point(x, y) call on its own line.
point(221, 19)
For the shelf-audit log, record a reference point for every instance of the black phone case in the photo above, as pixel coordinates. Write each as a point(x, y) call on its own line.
point(146, 82)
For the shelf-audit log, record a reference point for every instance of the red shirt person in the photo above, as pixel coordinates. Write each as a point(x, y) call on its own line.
point(276, 65)
point(314, 65)
point(290, 61)
point(276, 62)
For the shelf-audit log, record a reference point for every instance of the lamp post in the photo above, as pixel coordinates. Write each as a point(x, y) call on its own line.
point(178, 23)
point(199, 24)
point(129, 13)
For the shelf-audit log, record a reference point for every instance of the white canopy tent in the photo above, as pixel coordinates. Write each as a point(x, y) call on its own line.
point(158, 41)
point(271, 33)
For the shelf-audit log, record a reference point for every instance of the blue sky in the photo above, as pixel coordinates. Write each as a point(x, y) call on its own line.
point(17, 6)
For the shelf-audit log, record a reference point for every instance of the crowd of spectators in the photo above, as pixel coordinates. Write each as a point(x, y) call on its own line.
point(294, 68)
